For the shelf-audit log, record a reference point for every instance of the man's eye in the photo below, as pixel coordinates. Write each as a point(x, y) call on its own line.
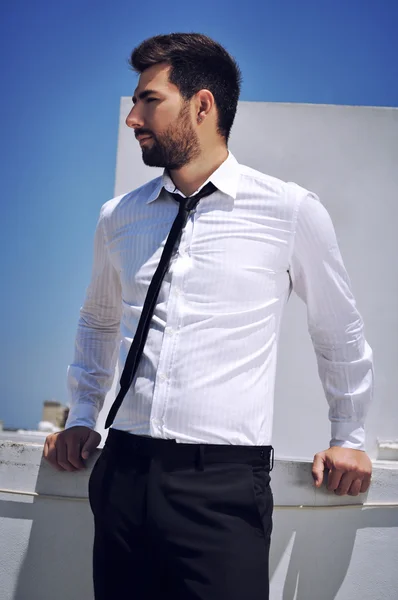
point(150, 100)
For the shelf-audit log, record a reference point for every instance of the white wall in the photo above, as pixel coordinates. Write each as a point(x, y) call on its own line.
point(349, 157)
point(330, 548)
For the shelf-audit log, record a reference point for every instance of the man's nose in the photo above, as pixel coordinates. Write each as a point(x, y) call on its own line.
point(133, 119)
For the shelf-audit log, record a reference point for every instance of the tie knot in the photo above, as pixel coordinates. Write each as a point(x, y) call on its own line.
point(190, 202)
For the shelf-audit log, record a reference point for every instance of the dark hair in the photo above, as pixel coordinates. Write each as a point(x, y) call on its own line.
point(197, 62)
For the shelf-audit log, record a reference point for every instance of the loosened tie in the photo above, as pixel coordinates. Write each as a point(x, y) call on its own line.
point(186, 205)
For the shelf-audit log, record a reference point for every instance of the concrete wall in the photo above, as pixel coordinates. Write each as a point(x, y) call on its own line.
point(324, 547)
point(349, 157)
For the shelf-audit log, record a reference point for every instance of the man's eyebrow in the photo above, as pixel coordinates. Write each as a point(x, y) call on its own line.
point(143, 95)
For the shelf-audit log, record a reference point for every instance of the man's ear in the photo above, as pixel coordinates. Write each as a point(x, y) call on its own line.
point(203, 105)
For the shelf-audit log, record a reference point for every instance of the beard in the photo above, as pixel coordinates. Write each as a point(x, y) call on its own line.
point(175, 147)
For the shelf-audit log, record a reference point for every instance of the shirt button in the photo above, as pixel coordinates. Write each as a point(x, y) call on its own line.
point(162, 376)
point(169, 331)
point(177, 291)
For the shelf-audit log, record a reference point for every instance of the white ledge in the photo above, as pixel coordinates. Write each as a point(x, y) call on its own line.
point(387, 450)
point(23, 471)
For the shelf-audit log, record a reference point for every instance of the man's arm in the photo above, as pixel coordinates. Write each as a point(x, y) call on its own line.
point(344, 358)
point(91, 374)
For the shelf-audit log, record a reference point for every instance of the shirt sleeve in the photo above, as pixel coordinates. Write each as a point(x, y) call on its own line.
point(91, 374)
point(336, 328)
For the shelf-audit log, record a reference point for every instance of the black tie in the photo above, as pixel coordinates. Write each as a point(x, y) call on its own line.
point(186, 205)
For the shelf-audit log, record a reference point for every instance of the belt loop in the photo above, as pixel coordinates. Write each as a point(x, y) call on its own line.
point(271, 459)
point(200, 458)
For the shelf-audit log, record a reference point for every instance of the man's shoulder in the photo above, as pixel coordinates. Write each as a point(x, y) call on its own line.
point(272, 183)
point(139, 195)
point(284, 192)
point(249, 173)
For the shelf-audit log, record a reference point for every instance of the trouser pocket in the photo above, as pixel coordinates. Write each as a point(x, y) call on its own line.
point(262, 497)
point(97, 488)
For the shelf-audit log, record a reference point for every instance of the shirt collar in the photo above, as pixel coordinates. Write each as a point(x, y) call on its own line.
point(225, 178)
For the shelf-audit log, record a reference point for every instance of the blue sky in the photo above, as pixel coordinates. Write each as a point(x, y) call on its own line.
point(64, 69)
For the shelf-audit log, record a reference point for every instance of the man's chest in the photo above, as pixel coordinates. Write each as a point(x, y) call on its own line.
point(235, 254)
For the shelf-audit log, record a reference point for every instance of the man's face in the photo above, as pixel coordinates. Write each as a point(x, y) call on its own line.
point(162, 121)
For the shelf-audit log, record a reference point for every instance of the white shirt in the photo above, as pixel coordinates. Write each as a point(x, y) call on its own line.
point(207, 374)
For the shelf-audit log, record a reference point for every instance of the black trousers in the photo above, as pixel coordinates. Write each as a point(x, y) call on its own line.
point(180, 521)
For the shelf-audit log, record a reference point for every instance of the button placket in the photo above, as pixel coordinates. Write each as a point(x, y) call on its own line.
point(167, 352)
point(170, 338)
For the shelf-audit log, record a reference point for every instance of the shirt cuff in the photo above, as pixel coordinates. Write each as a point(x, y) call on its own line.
point(348, 435)
point(82, 414)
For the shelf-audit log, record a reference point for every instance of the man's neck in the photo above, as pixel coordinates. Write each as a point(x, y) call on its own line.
point(190, 177)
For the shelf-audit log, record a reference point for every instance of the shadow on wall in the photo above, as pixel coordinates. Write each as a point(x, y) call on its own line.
point(316, 546)
point(310, 554)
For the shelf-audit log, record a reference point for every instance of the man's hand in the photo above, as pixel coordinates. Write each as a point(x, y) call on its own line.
point(66, 449)
point(349, 470)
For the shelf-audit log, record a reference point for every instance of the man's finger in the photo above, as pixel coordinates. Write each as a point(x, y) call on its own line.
point(62, 458)
point(90, 444)
point(365, 483)
point(345, 484)
point(318, 468)
point(50, 454)
point(73, 454)
point(355, 488)
point(334, 479)
point(45, 449)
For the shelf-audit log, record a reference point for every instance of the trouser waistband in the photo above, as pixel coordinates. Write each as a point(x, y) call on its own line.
point(127, 444)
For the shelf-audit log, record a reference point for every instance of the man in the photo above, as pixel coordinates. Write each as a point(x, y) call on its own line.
point(180, 494)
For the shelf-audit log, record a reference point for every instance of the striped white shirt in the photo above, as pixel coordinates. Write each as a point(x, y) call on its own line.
point(207, 374)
